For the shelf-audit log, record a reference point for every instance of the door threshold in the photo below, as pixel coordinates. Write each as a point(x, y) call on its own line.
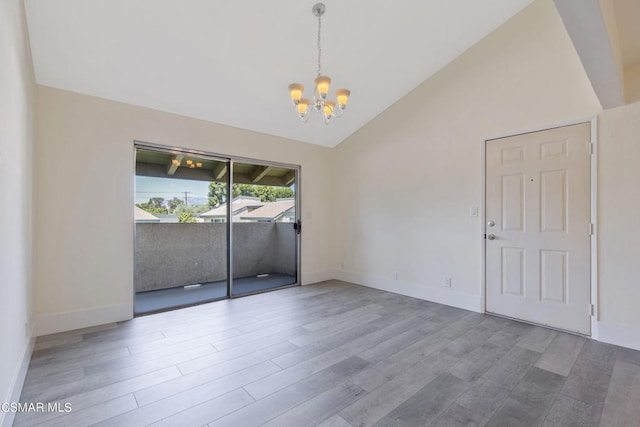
point(178, 307)
point(502, 316)
point(262, 291)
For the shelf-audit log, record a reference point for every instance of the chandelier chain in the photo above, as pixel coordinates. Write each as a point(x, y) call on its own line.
point(319, 46)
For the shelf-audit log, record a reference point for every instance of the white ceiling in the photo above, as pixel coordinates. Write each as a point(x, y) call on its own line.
point(230, 62)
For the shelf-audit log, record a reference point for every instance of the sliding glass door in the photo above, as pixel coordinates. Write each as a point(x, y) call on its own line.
point(264, 228)
point(181, 231)
point(190, 234)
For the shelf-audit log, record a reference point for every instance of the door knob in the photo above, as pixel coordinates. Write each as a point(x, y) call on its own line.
point(491, 223)
point(491, 236)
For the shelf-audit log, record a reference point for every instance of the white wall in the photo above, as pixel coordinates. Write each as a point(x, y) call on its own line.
point(16, 142)
point(85, 180)
point(619, 225)
point(412, 174)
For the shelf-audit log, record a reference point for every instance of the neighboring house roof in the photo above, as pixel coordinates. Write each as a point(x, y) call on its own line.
point(238, 205)
point(270, 211)
point(143, 216)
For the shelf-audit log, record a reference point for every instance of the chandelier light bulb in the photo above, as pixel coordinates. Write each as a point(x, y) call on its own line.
point(302, 107)
point(296, 89)
point(328, 108)
point(342, 95)
point(322, 86)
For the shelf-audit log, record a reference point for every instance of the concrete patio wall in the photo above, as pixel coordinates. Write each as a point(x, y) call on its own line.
point(170, 255)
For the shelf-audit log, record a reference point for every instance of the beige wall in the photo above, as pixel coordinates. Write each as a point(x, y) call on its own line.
point(85, 180)
point(414, 172)
point(407, 181)
point(16, 142)
point(632, 83)
point(618, 215)
point(607, 8)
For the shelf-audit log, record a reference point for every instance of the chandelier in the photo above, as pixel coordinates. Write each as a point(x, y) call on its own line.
point(321, 104)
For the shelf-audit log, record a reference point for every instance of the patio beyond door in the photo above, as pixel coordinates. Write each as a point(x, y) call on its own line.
point(538, 227)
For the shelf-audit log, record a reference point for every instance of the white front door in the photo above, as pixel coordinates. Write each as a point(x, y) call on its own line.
point(538, 227)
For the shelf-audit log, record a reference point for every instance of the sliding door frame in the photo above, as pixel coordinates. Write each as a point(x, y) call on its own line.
point(231, 160)
point(230, 230)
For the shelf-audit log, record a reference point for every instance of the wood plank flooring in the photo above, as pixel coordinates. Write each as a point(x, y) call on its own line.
point(331, 354)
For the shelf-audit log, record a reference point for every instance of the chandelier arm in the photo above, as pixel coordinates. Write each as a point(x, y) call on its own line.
point(318, 102)
point(325, 119)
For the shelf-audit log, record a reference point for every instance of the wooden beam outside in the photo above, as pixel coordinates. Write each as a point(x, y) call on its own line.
point(173, 167)
point(289, 178)
point(219, 171)
point(260, 173)
point(239, 178)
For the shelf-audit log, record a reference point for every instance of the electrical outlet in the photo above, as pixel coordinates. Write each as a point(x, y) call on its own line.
point(396, 275)
point(446, 282)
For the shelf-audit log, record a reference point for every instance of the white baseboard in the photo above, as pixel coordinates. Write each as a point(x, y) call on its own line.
point(446, 296)
point(67, 321)
point(613, 333)
point(15, 390)
point(317, 276)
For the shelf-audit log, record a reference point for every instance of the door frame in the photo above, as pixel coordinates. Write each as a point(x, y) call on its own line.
point(231, 159)
point(593, 121)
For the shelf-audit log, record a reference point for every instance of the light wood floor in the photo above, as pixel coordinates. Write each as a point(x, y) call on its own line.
point(332, 354)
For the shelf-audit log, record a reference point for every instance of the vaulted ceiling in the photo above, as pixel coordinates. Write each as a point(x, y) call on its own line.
point(606, 36)
point(230, 62)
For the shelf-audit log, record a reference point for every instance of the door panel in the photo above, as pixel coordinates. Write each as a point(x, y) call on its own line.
point(553, 201)
point(553, 265)
point(538, 198)
point(512, 202)
point(264, 234)
point(180, 240)
point(513, 271)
